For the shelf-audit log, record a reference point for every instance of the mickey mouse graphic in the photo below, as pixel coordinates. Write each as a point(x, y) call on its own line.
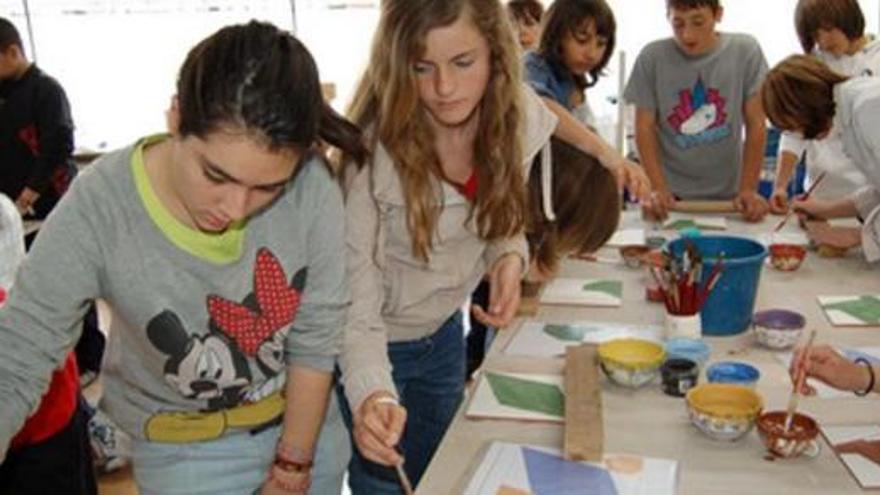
point(207, 367)
point(215, 366)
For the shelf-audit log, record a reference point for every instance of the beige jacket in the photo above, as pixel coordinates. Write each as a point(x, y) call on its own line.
point(395, 296)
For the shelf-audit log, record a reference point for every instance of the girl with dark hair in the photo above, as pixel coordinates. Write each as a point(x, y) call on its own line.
point(576, 43)
point(802, 95)
point(219, 249)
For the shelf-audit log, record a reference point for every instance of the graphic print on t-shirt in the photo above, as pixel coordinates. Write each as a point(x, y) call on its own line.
point(700, 116)
point(214, 366)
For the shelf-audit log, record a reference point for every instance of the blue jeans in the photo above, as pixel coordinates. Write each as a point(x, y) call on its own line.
point(236, 464)
point(429, 376)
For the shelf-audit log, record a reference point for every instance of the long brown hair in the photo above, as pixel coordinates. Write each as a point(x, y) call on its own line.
point(387, 99)
point(798, 95)
point(585, 202)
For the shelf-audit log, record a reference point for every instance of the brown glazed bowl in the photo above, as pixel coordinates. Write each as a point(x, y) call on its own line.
point(800, 439)
point(633, 254)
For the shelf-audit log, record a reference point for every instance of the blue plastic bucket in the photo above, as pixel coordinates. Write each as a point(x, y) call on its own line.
point(729, 308)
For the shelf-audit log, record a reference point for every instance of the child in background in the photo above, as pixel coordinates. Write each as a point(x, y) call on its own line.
point(803, 95)
point(526, 18)
point(834, 32)
point(573, 207)
point(694, 94)
point(576, 44)
point(219, 249)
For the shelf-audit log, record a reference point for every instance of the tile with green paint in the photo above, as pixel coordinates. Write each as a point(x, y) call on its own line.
point(681, 224)
point(568, 333)
point(865, 308)
point(613, 288)
point(527, 395)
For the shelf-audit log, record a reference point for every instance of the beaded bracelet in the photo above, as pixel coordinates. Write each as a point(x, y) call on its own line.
point(867, 364)
point(292, 461)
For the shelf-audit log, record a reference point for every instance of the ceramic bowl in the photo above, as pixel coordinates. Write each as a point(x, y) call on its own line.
point(723, 411)
point(778, 328)
point(695, 350)
point(631, 362)
point(787, 257)
point(655, 242)
point(734, 373)
point(800, 439)
point(633, 254)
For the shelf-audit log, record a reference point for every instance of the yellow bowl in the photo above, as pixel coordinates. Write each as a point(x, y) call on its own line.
point(631, 362)
point(632, 353)
point(724, 411)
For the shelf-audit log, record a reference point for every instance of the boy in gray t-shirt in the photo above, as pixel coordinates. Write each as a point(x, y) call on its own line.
point(694, 93)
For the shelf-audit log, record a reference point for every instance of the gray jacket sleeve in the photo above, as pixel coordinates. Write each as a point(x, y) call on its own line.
point(365, 365)
point(316, 338)
point(41, 321)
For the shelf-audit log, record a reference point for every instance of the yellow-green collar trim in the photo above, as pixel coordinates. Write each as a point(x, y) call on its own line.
point(222, 248)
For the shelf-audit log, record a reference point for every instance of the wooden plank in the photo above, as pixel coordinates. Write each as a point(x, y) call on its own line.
point(584, 434)
point(530, 299)
point(704, 207)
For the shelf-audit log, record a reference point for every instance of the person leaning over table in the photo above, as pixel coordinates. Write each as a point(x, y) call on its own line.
point(801, 94)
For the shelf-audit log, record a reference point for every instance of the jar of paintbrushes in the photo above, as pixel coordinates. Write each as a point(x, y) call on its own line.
point(680, 280)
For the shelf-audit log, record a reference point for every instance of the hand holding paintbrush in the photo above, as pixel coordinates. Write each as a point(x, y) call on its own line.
point(799, 378)
point(404, 480)
point(805, 197)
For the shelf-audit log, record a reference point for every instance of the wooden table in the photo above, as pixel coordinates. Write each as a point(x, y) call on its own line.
point(649, 423)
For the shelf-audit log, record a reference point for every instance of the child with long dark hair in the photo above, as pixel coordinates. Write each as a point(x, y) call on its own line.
point(219, 248)
point(576, 44)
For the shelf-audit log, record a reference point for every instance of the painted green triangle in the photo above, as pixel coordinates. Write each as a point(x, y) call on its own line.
point(681, 224)
point(613, 288)
point(568, 333)
point(865, 308)
point(527, 395)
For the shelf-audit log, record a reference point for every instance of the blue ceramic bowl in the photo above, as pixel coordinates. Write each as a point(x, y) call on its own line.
point(733, 372)
point(693, 349)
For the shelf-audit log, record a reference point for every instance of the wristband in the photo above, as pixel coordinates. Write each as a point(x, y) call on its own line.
point(293, 459)
point(864, 362)
point(387, 400)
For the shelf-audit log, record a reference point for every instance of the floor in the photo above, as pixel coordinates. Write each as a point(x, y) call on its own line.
point(118, 483)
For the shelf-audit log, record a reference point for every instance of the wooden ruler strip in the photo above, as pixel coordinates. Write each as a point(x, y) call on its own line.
point(584, 433)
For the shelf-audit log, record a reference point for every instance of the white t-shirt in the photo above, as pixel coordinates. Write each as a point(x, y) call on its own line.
point(842, 176)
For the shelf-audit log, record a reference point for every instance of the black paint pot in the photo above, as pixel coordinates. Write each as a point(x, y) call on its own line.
point(679, 375)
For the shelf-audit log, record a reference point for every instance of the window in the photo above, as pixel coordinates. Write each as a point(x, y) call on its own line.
point(118, 59)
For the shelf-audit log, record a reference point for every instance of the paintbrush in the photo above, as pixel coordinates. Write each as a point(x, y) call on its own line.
point(404, 480)
point(800, 377)
point(805, 197)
